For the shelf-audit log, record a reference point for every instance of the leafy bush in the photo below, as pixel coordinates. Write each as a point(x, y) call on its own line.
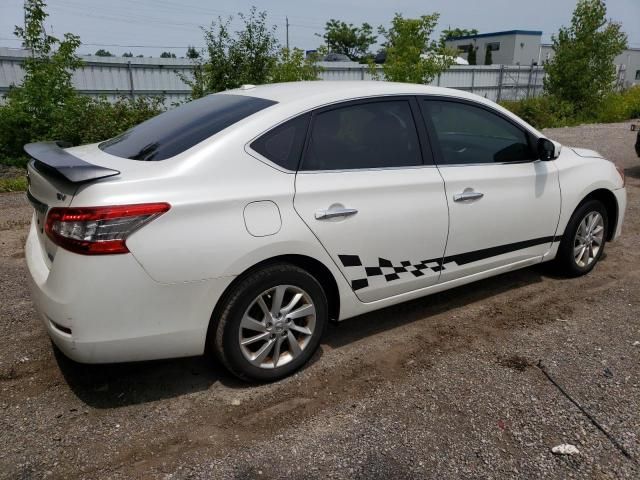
point(78, 120)
point(87, 120)
point(543, 112)
point(47, 107)
point(550, 112)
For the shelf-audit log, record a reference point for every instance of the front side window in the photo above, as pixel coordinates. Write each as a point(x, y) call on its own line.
point(367, 135)
point(493, 46)
point(468, 134)
point(179, 129)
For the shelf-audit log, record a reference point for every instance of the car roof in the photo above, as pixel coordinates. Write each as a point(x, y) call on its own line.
point(320, 91)
point(295, 97)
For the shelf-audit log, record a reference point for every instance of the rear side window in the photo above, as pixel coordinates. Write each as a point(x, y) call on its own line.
point(179, 129)
point(283, 144)
point(367, 135)
point(468, 134)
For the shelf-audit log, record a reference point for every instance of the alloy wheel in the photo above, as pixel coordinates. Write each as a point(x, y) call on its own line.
point(589, 239)
point(277, 326)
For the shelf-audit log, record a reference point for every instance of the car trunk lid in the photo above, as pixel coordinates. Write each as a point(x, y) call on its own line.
point(54, 176)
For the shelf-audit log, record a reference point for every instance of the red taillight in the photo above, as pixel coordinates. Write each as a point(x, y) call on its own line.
point(99, 230)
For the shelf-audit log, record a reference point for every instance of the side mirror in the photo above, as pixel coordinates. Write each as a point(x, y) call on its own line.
point(548, 149)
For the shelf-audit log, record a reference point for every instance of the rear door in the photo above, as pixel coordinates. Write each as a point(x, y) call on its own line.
point(504, 203)
point(365, 191)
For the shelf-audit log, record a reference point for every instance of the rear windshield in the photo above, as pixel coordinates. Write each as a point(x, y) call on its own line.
point(179, 129)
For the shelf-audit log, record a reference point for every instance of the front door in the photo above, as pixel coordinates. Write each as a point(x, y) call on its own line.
point(504, 204)
point(364, 190)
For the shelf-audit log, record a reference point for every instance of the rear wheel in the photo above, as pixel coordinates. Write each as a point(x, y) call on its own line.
point(271, 323)
point(584, 238)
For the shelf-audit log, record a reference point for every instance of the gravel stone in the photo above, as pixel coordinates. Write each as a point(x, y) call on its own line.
point(445, 387)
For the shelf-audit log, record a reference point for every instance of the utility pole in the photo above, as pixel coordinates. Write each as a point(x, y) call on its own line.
point(287, 24)
point(24, 25)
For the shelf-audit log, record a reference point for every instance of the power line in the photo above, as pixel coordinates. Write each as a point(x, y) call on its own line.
point(122, 45)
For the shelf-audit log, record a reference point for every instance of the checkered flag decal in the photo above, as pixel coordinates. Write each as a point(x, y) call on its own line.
point(388, 270)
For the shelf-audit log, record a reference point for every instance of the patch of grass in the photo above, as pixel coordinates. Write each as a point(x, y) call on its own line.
point(17, 184)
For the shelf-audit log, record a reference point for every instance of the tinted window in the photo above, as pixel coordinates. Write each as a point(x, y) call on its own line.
point(283, 145)
point(469, 134)
point(179, 129)
point(367, 135)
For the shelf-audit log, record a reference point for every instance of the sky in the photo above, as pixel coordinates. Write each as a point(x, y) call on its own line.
point(149, 27)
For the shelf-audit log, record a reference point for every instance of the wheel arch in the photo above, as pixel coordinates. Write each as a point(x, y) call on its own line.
point(313, 266)
point(608, 199)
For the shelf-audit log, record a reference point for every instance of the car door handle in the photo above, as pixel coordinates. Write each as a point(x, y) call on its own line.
point(467, 195)
point(335, 213)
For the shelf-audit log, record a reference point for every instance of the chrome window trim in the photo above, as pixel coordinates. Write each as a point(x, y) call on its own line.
point(520, 162)
point(346, 170)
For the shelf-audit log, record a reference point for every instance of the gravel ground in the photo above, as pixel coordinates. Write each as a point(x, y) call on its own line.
point(446, 386)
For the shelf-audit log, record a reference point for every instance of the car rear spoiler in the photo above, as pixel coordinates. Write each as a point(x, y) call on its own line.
point(51, 157)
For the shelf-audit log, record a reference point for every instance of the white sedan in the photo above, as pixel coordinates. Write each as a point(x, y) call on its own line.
point(244, 221)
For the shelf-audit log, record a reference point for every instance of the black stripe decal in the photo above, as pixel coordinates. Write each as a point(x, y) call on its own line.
point(391, 272)
point(350, 260)
point(469, 257)
point(359, 283)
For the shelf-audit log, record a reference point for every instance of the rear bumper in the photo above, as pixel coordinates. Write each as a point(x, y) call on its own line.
point(106, 309)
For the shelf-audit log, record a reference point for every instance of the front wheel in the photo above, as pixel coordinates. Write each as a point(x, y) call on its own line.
point(583, 242)
point(271, 323)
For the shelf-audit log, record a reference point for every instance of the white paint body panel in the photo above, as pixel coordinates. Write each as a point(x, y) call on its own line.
point(402, 216)
point(157, 301)
point(521, 202)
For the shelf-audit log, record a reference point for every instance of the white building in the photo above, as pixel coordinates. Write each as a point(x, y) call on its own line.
point(525, 47)
point(513, 47)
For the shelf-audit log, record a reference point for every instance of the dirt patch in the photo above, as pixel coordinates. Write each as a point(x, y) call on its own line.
point(515, 362)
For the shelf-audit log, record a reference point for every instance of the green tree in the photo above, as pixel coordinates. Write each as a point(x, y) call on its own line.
point(103, 53)
point(251, 55)
point(127, 54)
point(46, 86)
point(412, 56)
point(582, 69)
point(292, 66)
point(167, 55)
point(192, 52)
point(472, 55)
point(348, 39)
point(488, 56)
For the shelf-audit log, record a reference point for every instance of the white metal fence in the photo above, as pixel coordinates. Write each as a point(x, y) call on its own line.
point(113, 77)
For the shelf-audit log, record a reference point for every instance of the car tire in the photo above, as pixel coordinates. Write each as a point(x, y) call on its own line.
point(256, 337)
point(579, 237)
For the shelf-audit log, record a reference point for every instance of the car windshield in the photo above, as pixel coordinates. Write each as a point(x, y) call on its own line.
point(179, 129)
